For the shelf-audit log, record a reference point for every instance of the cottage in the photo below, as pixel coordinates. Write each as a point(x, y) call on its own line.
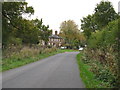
point(55, 40)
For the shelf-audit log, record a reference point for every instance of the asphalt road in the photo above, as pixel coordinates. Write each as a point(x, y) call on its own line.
point(58, 71)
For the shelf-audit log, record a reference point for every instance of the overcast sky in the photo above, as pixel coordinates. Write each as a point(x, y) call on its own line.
point(54, 12)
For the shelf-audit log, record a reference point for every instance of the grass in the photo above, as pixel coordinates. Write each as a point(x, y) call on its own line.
point(10, 63)
point(87, 76)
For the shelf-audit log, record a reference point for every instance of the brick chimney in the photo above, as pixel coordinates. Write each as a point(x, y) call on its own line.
point(55, 32)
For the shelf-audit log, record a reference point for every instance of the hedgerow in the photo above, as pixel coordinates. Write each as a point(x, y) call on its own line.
point(102, 54)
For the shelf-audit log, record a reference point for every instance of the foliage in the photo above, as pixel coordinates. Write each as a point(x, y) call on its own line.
point(102, 32)
point(11, 14)
point(16, 56)
point(89, 25)
point(102, 54)
point(15, 41)
point(28, 33)
point(44, 31)
point(106, 37)
point(15, 26)
point(104, 13)
point(87, 76)
point(70, 32)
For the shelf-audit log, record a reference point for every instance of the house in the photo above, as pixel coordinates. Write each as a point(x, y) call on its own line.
point(55, 40)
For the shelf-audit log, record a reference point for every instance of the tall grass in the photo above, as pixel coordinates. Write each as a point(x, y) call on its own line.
point(15, 56)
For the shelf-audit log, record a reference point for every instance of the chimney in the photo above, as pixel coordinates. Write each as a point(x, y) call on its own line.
point(55, 32)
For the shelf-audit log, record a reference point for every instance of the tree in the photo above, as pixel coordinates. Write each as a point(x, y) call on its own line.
point(70, 32)
point(104, 13)
point(44, 31)
point(89, 25)
point(11, 16)
point(28, 33)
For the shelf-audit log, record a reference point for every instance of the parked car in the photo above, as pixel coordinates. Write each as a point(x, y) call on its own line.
point(80, 49)
point(63, 47)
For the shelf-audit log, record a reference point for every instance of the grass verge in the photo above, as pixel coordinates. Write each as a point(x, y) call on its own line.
point(11, 63)
point(87, 76)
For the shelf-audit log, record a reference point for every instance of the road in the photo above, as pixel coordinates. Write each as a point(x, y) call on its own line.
point(58, 71)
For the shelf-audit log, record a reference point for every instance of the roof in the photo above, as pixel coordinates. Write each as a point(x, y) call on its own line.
point(55, 36)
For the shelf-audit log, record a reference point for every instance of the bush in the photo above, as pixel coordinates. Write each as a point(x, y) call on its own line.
point(13, 51)
point(15, 41)
point(49, 50)
point(102, 54)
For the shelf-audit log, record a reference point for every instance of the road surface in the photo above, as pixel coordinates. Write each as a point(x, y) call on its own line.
point(58, 71)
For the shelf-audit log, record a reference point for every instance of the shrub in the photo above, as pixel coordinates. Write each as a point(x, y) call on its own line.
point(15, 41)
point(102, 54)
point(49, 50)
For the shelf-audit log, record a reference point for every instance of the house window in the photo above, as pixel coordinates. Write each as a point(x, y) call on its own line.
point(52, 39)
point(56, 39)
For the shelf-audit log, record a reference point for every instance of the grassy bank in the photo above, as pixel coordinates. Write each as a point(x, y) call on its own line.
point(87, 76)
point(18, 60)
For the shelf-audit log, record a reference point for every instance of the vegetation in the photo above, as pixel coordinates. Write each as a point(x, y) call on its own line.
point(99, 61)
point(87, 76)
point(71, 34)
point(18, 30)
point(21, 36)
point(18, 56)
point(103, 14)
point(101, 53)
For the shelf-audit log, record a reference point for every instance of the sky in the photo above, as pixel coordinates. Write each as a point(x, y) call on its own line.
point(54, 12)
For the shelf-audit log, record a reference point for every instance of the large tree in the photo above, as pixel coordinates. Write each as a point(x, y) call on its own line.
point(11, 18)
point(89, 25)
point(29, 32)
point(44, 31)
point(70, 32)
point(104, 13)
point(15, 27)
